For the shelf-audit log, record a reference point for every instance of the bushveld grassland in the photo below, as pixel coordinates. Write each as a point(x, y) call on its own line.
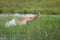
point(43, 6)
point(46, 28)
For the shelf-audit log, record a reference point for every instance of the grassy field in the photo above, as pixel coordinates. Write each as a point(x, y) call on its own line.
point(46, 28)
point(43, 6)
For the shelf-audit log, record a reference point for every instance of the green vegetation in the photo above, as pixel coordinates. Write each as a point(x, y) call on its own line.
point(43, 6)
point(46, 28)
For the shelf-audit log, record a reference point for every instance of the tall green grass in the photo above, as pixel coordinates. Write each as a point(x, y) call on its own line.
point(30, 5)
point(45, 28)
